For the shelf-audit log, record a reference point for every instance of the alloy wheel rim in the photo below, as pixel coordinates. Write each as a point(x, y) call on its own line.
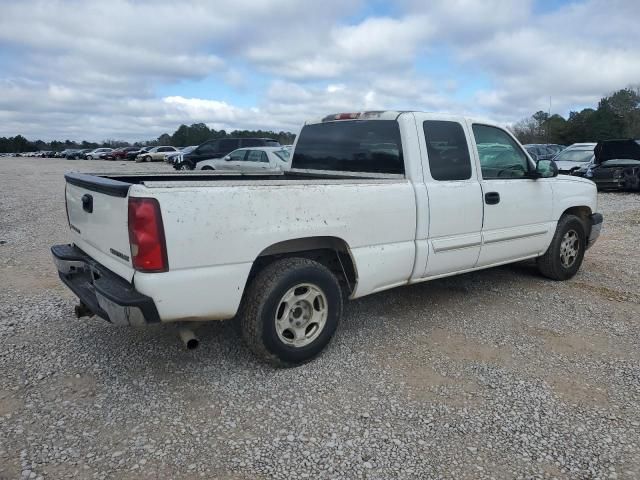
point(569, 248)
point(301, 315)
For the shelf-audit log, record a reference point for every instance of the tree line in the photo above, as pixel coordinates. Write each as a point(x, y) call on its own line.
point(185, 135)
point(617, 116)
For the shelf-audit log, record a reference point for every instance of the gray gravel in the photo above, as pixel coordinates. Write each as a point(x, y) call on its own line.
point(495, 374)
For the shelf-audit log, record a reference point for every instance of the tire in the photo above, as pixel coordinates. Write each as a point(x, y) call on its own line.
point(147, 159)
point(89, 157)
point(207, 167)
point(564, 256)
point(310, 322)
point(630, 181)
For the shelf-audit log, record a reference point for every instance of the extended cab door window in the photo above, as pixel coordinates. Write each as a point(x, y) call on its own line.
point(447, 150)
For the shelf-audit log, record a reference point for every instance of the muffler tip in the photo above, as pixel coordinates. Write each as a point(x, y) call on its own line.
point(191, 342)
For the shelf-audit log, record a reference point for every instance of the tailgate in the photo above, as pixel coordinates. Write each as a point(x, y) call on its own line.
point(98, 217)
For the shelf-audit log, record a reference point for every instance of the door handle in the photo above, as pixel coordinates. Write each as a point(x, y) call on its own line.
point(491, 198)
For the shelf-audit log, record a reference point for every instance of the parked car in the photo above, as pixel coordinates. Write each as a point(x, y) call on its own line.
point(77, 154)
point(120, 153)
point(540, 152)
point(555, 147)
point(281, 252)
point(615, 165)
point(156, 154)
point(257, 159)
point(172, 156)
point(134, 153)
point(574, 157)
point(95, 153)
point(219, 148)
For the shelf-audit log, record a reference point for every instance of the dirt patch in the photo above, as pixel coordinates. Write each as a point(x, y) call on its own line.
point(583, 344)
point(461, 348)
point(576, 389)
point(607, 293)
point(81, 388)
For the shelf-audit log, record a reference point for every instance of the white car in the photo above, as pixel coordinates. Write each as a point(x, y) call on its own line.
point(371, 201)
point(156, 154)
point(95, 154)
point(574, 157)
point(255, 159)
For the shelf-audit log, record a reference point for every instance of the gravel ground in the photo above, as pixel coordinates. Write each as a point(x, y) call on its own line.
point(494, 374)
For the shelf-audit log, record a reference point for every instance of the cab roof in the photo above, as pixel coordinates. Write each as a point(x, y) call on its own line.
point(385, 115)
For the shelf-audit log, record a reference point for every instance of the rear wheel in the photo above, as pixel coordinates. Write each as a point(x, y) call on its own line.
point(564, 256)
point(291, 311)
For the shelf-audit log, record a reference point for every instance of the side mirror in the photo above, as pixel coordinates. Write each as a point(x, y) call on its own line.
point(546, 169)
point(227, 158)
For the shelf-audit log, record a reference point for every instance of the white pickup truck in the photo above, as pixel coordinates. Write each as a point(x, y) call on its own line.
point(374, 200)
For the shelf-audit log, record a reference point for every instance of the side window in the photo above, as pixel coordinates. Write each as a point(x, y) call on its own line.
point(238, 155)
point(447, 150)
point(209, 147)
point(252, 142)
point(228, 145)
point(264, 158)
point(255, 156)
point(500, 156)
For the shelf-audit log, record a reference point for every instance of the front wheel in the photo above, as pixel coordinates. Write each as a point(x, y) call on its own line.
point(564, 256)
point(89, 157)
point(291, 311)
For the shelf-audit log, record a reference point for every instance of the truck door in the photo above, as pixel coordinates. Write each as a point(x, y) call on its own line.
point(455, 198)
point(517, 209)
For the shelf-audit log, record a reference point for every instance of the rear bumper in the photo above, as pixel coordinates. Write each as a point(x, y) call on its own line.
point(103, 292)
point(596, 220)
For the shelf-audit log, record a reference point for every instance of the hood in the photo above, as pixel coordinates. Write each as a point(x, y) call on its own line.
point(616, 149)
point(566, 166)
point(620, 163)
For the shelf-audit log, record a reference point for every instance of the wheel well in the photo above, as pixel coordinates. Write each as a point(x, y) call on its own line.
point(583, 214)
point(332, 252)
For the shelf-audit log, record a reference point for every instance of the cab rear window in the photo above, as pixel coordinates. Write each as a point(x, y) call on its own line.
point(371, 146)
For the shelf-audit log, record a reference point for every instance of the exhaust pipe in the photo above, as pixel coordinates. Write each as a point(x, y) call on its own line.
point(81, 310)
point(191, 342)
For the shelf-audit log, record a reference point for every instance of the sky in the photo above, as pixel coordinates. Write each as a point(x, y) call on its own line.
point(134, 69)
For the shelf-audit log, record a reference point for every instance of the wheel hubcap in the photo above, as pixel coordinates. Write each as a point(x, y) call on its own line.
point(301, 315)
point(569, 248)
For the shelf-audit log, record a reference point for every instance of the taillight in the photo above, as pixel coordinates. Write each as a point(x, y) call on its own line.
point(146, 235)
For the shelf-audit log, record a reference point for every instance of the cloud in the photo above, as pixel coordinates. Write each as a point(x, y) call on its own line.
point(95, 70)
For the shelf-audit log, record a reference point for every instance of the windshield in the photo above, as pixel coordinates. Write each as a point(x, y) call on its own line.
point(350, 146)
point(574, 156)
point(283, 155)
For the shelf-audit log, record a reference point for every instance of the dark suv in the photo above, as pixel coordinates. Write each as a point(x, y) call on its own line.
point(218, 148)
